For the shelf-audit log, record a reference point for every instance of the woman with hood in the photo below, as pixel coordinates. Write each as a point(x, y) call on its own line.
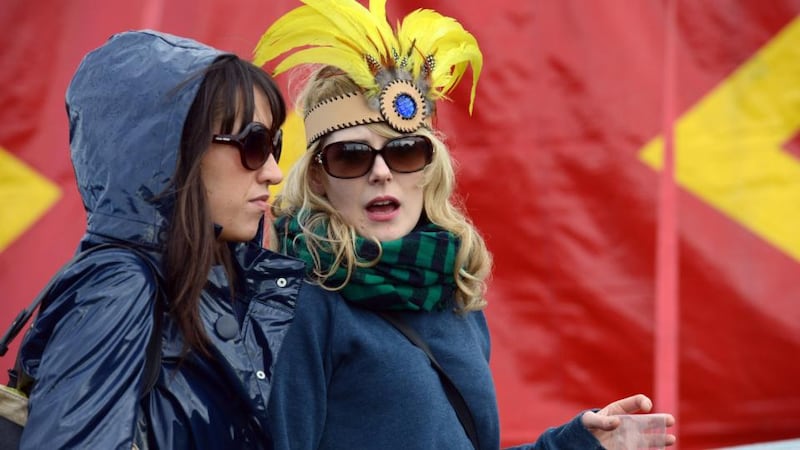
point(174, 146)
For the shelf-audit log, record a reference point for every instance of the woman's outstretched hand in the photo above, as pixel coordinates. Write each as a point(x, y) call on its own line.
point(602, 424)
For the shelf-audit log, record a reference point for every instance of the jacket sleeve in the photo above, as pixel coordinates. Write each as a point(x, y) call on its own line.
point(86, 353)
point(298, 403)
point(571, 435)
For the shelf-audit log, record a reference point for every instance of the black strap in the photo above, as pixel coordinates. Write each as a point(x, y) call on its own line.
point(153, 357)
point(152, 362)
point(25, 315)
point(450, 389)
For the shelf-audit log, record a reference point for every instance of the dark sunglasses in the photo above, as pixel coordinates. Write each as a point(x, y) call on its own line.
point(255, 143)
point(350, 159)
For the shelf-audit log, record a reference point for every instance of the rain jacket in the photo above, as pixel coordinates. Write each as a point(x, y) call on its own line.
point(86, 349)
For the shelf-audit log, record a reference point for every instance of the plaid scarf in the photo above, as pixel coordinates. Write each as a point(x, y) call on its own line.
point(414, 273)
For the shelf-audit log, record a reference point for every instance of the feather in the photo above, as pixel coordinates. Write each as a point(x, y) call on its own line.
point(451, 46)
point(351, 20)
point(303, 26)
point(345, 60)
point(344, 25)
point(345, 34)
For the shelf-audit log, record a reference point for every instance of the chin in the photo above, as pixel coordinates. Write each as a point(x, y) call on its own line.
point(238, 235)
point(390, 235)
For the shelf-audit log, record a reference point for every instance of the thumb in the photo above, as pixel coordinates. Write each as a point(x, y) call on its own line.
point(595, 421)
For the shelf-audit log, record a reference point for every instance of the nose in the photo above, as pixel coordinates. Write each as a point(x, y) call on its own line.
point(380, 172)
point(270, 173)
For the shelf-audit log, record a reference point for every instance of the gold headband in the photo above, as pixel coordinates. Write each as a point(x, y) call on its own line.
point(401, 74)
point(402, 106)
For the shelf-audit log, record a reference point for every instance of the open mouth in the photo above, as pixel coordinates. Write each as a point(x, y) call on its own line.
point(383, 206)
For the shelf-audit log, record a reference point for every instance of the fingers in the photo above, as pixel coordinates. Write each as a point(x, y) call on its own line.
point(657, 438)
point(636, 403)
point(629, 405)
point(605, 420)
point(631, 430)
point(594, 421)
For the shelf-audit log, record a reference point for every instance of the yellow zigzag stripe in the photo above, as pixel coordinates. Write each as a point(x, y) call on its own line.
point(729, 145)
point(25, 196)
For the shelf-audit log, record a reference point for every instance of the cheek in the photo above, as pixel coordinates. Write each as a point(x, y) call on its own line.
point(416, 190)
point(344, 199)
point(226, 190)
point(335, 190)
point(340, 200)
point(217, 203)
point(419, 202)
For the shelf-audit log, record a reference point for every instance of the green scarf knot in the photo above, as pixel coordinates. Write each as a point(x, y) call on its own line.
point(414, 272)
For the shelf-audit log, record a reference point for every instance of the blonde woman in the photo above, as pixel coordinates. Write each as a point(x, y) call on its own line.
point(401, 359)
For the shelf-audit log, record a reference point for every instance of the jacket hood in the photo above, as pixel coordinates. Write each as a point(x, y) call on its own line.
point(127, 104)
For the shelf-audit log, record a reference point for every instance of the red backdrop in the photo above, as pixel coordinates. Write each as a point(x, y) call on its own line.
point(560, 168)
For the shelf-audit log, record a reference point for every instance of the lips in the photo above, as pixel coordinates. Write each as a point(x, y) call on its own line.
point(383, 205)
point(262, 202)
point(382, 208)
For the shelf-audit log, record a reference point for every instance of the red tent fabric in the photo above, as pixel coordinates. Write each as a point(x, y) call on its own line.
point(560, 167)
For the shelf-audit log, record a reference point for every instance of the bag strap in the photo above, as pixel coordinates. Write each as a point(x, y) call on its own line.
point(25, 315)
point(153, 352)
point(152, 363)
point(450, 389)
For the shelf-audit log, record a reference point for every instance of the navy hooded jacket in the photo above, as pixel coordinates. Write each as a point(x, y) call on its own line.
point(86, 349)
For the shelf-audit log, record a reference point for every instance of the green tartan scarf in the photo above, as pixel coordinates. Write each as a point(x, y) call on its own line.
point(414, 273)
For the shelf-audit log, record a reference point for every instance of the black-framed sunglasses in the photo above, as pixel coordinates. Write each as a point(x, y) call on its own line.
point(255, 143)
point(351, 159)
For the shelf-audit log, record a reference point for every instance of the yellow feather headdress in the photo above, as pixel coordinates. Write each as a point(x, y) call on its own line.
point(401, 73)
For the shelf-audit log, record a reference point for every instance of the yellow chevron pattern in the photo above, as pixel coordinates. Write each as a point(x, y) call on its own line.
point(25, 196)
point(729, 146)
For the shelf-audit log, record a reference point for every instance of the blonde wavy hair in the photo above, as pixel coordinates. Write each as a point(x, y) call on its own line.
point(297, 199)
